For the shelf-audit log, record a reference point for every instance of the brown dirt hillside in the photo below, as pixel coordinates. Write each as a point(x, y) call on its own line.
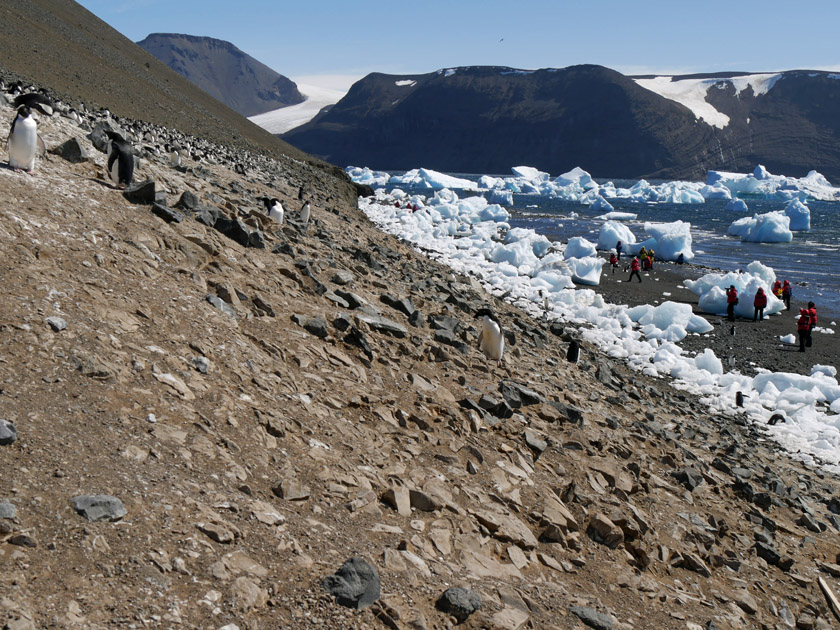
point(264, 414)
point(61, 46)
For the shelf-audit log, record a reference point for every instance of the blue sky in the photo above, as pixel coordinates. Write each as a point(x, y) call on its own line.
point(314, 40)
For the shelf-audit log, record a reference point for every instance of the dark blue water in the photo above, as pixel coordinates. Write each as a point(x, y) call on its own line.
point(811, 262)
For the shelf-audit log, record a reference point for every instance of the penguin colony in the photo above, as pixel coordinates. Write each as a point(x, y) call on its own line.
point(125, 143)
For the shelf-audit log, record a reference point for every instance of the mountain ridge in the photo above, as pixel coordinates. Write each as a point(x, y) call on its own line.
point(230, 75)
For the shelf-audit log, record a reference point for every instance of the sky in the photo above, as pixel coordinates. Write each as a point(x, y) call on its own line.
point(333, 43)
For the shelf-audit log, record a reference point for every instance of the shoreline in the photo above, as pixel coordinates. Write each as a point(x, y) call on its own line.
point(755, 344)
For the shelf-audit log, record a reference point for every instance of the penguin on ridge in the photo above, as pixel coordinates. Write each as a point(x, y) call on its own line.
point(120, 160)
point(23, 141)
point(573, 353)
point(35, 100)
point(491, 339)
point(274, 208)
point(305, 212)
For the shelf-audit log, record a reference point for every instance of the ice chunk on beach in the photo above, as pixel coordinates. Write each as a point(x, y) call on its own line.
point(672, 239)
point(501, 197)
point(670, 321)
point(579, 247)
point(712, 290)
point(612, 232)
point(772, 227)
point(586, 270)
point(707, 360)
point(799, 214)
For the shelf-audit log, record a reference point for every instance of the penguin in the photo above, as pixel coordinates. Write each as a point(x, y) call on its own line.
point(731, 360)
point(120, 160)
point(776, 418)
point(732, 331)
point(174, 155)
point(739, 399)
point(23, 141)
point(573, 354)
point(300, 194)
point(491, 339)
point(274, 208)
point(304, 214)
point(35, 100)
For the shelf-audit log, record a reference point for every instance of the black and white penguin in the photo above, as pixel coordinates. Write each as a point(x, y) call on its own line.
point(491, 339)
point(274, 208)
point(23, 141)
point(305, 212)
point(35, 100)
point(120, 160)
point(732, 331)
point(739, 399)
point(573, 353)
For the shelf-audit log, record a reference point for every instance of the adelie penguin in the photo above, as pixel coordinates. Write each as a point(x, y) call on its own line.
point(491, 339)
point(120, 160)
point(274, 208)
point(35, 100)
point(24, 142)
point(304, 215)
point(573, 353)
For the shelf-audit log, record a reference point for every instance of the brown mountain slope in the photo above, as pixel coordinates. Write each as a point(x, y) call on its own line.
point(61, 45)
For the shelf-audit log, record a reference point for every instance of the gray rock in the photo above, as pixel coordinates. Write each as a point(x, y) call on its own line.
point(356, 338)
point(220, 304)
point(403, 305)
point(145, 193)
point(7, 510)
point(317, 326)
point(535, 442)
point(592, 618)
point(353, 301)
point(459, 602)
point(355, 584)
point(202, 364)
point(188, 201)
point(449, 338)
point(99, 507)
point(342, 277)
point(167, 214)
point(688, 477)
point(417, 320)
point(384, 325)
point(72, 151)
point(8, 433)
point(56, 323)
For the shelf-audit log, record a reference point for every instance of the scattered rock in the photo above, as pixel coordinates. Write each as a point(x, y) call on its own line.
point(56, 323)
point(459, 602)
point(355, 584)
point(8, 433)
point(99, 507)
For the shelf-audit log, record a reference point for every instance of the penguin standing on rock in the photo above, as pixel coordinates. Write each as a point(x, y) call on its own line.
point(23, 141)
point(491, 339)
point(305, 212)
point(120, 160)
point(274, 208)
point(573, 353)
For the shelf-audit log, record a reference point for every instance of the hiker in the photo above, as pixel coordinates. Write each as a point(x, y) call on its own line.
point(787, 292)
point(777, 289)
point(681, 259)
point(634, 269)
point(759, 303)
point(646, 264)
point(618, 247)
point(802, 326)
point(731, 302)
point(613, 261)
point(651, 257)
point(812, 322)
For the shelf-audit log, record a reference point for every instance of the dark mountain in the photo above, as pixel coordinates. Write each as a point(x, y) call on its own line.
point(487, 119)
point(225, 72)
point(61, 45)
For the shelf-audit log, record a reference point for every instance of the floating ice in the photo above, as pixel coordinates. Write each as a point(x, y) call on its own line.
point(501, 197)
point(429, 179)
point(799, 214)
point(601, 205)
point(772, 227)
point(618, 216)
point(737, 205)
point(367, 176)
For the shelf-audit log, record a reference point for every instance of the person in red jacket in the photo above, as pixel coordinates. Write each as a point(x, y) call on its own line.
point(777, 289)
point(812, 321)
point(731, 302)
point(802, 328)
point(759, 302)
point(787, 292)
point(613, 261)
point(634, 269)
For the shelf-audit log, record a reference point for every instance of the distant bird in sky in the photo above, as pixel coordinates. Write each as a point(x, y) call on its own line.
point(491, 339)
point(501, 40)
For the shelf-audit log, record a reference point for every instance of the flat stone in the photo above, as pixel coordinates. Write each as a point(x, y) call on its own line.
point(145, 193)
point(72, 151)
point(220, 304)
point(355, 584)
point(398, 498)
point(7, 510)
point(382, 324)
point(291, 490)
point(592, 618)
point(56, 323)
point(601, 529)
point(167, 214)
point(99, 507)
point(535, 442)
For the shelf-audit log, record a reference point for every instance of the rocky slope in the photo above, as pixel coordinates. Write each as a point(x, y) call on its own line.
point(223, 71)
point(254, 404)
point(487, 119)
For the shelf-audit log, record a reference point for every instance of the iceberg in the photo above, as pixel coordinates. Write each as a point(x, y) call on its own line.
point(712, 290)
point(586, 270)
point(799, 214)
point(429, 179)
point(672, 239)
point(579, 247)
point(737, 205)
point(612, 232)
point(772, 227)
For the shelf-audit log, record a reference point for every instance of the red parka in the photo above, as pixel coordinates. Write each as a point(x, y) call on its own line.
point(760, 300)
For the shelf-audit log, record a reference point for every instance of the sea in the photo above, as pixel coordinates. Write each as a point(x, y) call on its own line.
point(811, 262)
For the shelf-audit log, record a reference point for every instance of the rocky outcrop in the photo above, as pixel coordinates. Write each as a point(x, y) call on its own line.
point(488, 119)
point(224, 72)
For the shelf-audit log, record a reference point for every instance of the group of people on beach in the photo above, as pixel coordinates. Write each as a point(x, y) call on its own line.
point(644, 260)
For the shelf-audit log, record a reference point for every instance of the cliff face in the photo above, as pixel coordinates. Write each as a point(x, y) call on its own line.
point(223, 71)
point(485, 120)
